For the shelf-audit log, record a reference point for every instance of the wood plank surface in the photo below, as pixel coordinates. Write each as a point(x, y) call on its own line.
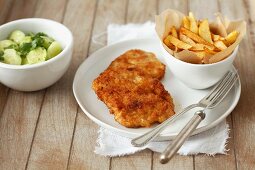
point(85, 135)
point(54, 134)
point(6, 7)
point(178, 162)
point(11, 10)
point(243, 116)
point(137, 12)
point(47, 130)
point(200, 10)
point(17, 125)
point(233, 12)
point(20, 113)
point(22, 9)
point(140, 11)
point(5, 10)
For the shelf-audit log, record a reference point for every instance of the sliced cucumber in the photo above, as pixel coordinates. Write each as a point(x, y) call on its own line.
point(5, 44)
point(24, 61)
point(17, 36)
point(36, 56)
point(11, 57)
point(22, 49)
point(1, 56)
point(26, 39)
point(47, 41)
point(53, 50)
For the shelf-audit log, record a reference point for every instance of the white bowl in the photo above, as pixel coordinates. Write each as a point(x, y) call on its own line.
point(41, 75)
point(198, 76)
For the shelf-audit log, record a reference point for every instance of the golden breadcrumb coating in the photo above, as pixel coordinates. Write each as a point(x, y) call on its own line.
point(132, 93)
point(144, 62)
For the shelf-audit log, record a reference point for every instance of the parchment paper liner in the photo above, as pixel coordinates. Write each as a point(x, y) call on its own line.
point(221, 26)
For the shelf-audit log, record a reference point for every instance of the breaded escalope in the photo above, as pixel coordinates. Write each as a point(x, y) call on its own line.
point(144, 62)
point(134, 99)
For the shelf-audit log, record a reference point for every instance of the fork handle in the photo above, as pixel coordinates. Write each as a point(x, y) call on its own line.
point(173, 147)
point(152, 134)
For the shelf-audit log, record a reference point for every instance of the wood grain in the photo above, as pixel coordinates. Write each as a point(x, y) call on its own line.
point(6, 7)
point(5, 10)
point(3, 97)
point(141, 160)
point(178, 162)
point(250, 5)
point(138, 12)
point(22, 9)
point(202, 161)
point(108, 11)
point(14, 12)
point(19, 116)
point(51, 9)
point(50, 142)
point(181, 5)
point(47, 130)
point(243, 116)
point(17, 125)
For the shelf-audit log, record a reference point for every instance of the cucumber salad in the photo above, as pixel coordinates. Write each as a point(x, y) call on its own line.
point(22, 49)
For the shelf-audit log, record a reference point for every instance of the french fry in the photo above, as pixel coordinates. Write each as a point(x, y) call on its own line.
point(186, 39)
point(200, 38)
point(174, 32)
point(201, 54)
point(195, 37)
point(231, 37)
point(197, 47)
point(204, 31)
point(169, 44)
point(193, 23)
point(210, 51)
point(178, 43)
point(185, 22)
point(222, 38)
point(220, 45)
point(215, 37)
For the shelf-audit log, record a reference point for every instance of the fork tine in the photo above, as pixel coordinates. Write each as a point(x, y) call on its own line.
point(218, 86)
point(223, 88)
point(221, 95)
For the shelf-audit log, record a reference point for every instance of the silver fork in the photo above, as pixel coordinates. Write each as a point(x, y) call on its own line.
point(204, 102)
point(196, 119)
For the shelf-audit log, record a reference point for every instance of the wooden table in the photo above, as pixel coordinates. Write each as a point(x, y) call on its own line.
point(47, 130)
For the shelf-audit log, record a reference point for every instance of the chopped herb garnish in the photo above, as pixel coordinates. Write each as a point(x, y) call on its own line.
point(37, 42)
point(30, 48)
point(25, 48)
point(40, 34)
point(12, 46)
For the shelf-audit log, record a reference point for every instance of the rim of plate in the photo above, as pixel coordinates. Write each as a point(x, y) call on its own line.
point(90, 60)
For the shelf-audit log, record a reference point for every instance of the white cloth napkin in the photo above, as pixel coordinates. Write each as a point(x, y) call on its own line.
point(209, 142)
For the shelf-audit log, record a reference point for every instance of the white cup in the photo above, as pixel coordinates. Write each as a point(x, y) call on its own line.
point(198, 76)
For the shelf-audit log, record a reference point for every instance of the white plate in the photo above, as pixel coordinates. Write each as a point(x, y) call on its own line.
point(183, 96)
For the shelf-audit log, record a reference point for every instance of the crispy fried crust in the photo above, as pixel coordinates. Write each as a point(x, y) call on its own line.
point(134, 99)
point(144, 62)
point(131, 89)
